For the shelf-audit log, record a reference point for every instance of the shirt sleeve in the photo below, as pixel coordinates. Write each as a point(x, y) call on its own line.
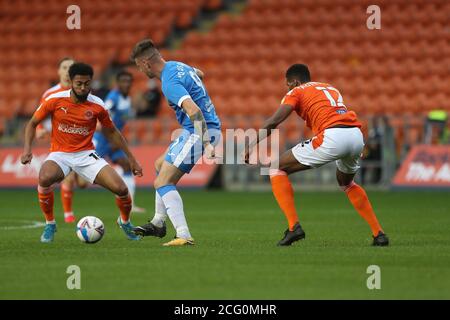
point(44, 95)
point(105, 119)
point(175, 92)
point(110, 101)
point(291, 98)
point(109, 104)
point(46, 108)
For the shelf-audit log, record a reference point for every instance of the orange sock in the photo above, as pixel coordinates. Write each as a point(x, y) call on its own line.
point(124, 204)
point(66, 198)
point(284, 193)
point(46, 198)
point(361, 203)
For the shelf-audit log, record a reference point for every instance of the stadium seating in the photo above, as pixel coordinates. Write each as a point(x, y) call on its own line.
point(400, 69)
point(334, 41)
point(35, 37)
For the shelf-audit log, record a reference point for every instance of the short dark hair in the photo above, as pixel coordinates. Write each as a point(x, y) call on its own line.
point(80, 68)
point(299, 72)
point(65, 59)
point(141, 48)
point(123, 73)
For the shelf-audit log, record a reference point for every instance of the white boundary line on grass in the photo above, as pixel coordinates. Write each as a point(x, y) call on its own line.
point(30, 225)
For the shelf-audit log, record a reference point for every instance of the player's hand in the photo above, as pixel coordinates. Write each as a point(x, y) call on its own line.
point(246, 154)
point(210, 153)
point(26, 157)
point(136, 167)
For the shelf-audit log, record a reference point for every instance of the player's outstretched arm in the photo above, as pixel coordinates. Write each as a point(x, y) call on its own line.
point(277, 118)
point(30, 132)
point(272, 123)
point(117, 139)
point(195, 114)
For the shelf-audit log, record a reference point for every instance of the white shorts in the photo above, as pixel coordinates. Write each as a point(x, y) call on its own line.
point(343, 145)
point(86, 163)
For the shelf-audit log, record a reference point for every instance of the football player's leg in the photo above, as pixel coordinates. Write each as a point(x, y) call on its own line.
point(67, 197)
point(160, 210)
point(49, 174)
point(120, 158)
point(165, 183)
point(181, 157)
point(157, 226)
point(282, 187)
point(359, 199)
point(347, 166)
point(108, 178)
point(306, 155)
point(80, 182)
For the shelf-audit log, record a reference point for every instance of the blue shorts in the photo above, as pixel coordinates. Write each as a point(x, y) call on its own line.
point(104, 150)
point(185, 150)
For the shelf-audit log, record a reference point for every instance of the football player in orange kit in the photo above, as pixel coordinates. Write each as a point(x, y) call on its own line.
point(74, 115)
point(337, 138)
point(44, 129)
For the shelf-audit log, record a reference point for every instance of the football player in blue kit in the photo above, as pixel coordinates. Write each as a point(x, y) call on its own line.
point(187, 96)
point(118, 103)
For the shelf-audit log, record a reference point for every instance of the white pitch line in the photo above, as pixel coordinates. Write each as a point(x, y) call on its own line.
point(30, 225)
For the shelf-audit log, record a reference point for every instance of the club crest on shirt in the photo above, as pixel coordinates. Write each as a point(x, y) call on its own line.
point(89, 114)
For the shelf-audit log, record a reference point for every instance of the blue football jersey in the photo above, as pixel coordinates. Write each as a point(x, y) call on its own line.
point(179, 82)
point(119, 108)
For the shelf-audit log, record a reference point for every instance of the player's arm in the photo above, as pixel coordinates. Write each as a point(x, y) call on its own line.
point(272, 123)
point(201, 129)
point(200, 73)
point(41, 130)
point(110, 105)
point(98, 126)
point(30, 131)
point(116, 138)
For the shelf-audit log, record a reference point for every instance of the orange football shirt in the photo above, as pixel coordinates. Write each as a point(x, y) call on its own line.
point(52, 90)
point(46, 125)
point(73, 124)
point(320, 105)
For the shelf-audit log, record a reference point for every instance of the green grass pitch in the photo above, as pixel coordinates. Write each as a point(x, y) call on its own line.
point(235, 256)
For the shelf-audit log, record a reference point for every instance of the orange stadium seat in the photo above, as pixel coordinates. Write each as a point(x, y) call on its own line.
point(9, 108)
point(213, 4)
point(32, 29)
point(244, 57)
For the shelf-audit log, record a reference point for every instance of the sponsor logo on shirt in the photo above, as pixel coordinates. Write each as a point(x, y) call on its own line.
point(84, 131)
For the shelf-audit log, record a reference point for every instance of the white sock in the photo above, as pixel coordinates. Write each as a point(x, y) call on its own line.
point(124, 222)
point(67, 214)
point(128, 178)
point(160, 211)
point(50, 222)
point(174, 208)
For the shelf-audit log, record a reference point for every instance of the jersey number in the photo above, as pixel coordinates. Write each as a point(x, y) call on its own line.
point(94, 155)
point(197, 80)
point(334, 103)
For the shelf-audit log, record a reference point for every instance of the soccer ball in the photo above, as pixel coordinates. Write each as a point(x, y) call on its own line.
point(90, 229)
